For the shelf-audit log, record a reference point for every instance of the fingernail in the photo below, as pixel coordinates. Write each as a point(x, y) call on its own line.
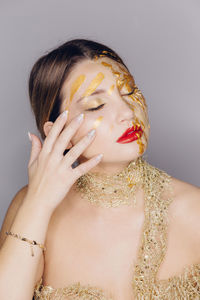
point(29, 136)
point(64, 114)
point(91, 133)
point(80, 117)
point(99, 157)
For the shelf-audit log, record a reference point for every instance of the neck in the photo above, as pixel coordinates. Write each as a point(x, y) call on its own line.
point(112, 189)
point(109, 168)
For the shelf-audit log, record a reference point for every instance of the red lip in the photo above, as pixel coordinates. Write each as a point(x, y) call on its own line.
point(131, 134)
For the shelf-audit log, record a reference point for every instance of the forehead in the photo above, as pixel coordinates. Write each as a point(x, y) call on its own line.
point(89, 69)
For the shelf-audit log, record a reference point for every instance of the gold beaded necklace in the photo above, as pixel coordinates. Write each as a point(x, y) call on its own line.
point(113, 190)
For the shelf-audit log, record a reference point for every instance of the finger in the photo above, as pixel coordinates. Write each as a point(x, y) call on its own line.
point(66, 135)
point(79, 148)
point(86, 166)
point(55, 132)
point(36, 146)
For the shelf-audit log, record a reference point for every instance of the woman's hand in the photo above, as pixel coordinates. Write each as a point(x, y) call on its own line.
point(50, 173)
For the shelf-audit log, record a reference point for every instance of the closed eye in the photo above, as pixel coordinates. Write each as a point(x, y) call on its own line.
point(131, 93)
point(96, 108)
point(100, 106)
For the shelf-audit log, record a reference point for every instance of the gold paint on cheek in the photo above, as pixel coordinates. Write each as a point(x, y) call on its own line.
point(145, 136)
point(76, 85)
point(97, 122)
point(111, 127)
point(141, 146)
point(94, 84)
point(142, 125)
point(139, 142)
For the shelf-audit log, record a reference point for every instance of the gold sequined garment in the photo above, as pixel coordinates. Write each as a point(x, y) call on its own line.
point(186, 286)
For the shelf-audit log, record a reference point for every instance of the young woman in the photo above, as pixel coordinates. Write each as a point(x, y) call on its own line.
point(100, 221)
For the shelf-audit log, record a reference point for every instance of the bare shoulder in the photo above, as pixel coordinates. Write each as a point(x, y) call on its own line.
point(186, 195)
point(185, 210)
point(11, 212)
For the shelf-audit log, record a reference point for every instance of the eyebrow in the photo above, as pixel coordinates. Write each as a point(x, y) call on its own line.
point(99, 91)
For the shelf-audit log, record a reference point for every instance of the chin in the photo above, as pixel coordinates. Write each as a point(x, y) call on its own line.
point(121, 157)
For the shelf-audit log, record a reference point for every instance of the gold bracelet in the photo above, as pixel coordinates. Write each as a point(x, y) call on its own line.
point(31, 242)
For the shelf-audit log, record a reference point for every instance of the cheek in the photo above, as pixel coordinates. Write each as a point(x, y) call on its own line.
point(141, 114)
point(87, 125)
point(111, 127)
point(97, 122)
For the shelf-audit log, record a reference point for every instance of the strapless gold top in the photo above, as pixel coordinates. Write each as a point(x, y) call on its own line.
point(145, 285)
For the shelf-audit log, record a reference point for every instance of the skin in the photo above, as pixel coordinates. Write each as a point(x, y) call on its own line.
point(109, 238)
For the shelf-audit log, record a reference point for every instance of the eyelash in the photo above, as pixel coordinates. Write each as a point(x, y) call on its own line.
point(96, 108)
point(100, 106)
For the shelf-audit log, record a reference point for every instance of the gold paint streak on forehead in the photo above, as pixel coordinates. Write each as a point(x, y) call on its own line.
point(122, 78)
point(76, 85)
point(111, 89)
point(126, 74)
point(97, 122)
point(105, 64)
point(94, 84)
point(119, 81)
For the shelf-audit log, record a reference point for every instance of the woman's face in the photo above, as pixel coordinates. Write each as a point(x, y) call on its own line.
point(99, 88)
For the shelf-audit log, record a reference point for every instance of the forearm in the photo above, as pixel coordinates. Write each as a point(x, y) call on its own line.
point(17, 267)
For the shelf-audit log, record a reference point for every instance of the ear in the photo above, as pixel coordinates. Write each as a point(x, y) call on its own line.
point(47, 127)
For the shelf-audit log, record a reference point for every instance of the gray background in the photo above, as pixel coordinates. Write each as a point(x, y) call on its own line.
point(159, 40)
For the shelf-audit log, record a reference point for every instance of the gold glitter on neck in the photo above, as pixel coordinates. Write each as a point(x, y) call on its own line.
point(112, 190)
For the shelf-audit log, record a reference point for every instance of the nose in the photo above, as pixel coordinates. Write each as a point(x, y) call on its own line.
point(125, 112)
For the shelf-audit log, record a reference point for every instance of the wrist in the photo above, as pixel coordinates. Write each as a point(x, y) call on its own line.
point(36, 205)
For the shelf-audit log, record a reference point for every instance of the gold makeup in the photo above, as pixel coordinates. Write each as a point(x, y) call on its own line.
point(92, 103)
point(75, 86)
point(139, 142)
point(126, 79)
point(94, 84)
point(111, 127)
point(106, 53)
point(97, 122)
point(111, 89)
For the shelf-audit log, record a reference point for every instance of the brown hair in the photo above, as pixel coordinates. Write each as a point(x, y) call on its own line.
point(51, 70)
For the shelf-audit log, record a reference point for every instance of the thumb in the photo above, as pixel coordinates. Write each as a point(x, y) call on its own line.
point(36, 147)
